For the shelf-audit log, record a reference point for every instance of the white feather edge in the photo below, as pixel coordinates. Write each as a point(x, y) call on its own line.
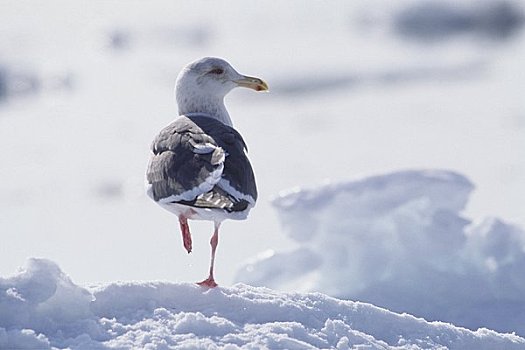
point(226, 186)
point(205, 148)
point(191, 194)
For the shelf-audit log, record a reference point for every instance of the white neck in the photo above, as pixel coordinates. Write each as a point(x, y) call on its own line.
point(210, 105)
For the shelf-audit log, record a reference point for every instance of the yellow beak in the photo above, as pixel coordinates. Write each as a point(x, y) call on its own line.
point(252, 83)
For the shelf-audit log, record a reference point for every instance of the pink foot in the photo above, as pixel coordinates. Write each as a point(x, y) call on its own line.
point(208, 283)
point(186, 235)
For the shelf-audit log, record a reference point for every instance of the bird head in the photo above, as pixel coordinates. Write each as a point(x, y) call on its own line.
point(202, 85)
point(215, 77)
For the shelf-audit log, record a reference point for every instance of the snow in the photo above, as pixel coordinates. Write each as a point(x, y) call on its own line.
point(40, 307)
point(85, 88)
point(400, 241)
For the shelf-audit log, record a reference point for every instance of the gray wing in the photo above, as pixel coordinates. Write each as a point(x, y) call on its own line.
point(186, 162)
point(188, 156)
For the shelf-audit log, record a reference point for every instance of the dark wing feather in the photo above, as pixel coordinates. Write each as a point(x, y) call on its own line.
point(217, 198)
point(184, 156)
point(177, 165)
point(237, 168)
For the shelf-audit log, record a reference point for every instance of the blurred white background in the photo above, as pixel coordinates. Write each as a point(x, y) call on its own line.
point(367, 86)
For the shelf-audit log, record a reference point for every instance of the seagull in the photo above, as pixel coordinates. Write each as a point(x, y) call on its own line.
point(198, 169)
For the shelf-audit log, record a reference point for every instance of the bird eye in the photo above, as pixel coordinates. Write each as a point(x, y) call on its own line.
point(217, 71)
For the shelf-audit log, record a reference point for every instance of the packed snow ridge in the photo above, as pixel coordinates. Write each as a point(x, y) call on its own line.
point(400, 241)
point(41, 308)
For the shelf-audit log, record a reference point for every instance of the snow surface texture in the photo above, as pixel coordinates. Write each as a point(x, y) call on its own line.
point(41, 308)
point(399, 241)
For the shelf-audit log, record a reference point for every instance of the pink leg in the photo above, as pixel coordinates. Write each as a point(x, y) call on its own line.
point(186, 235)
point(210, 281)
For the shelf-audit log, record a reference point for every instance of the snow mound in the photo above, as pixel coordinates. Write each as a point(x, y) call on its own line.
point(399, 241)
point(40, 307)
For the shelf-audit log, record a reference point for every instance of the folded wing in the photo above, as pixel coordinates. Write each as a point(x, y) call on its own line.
point(200, 162)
